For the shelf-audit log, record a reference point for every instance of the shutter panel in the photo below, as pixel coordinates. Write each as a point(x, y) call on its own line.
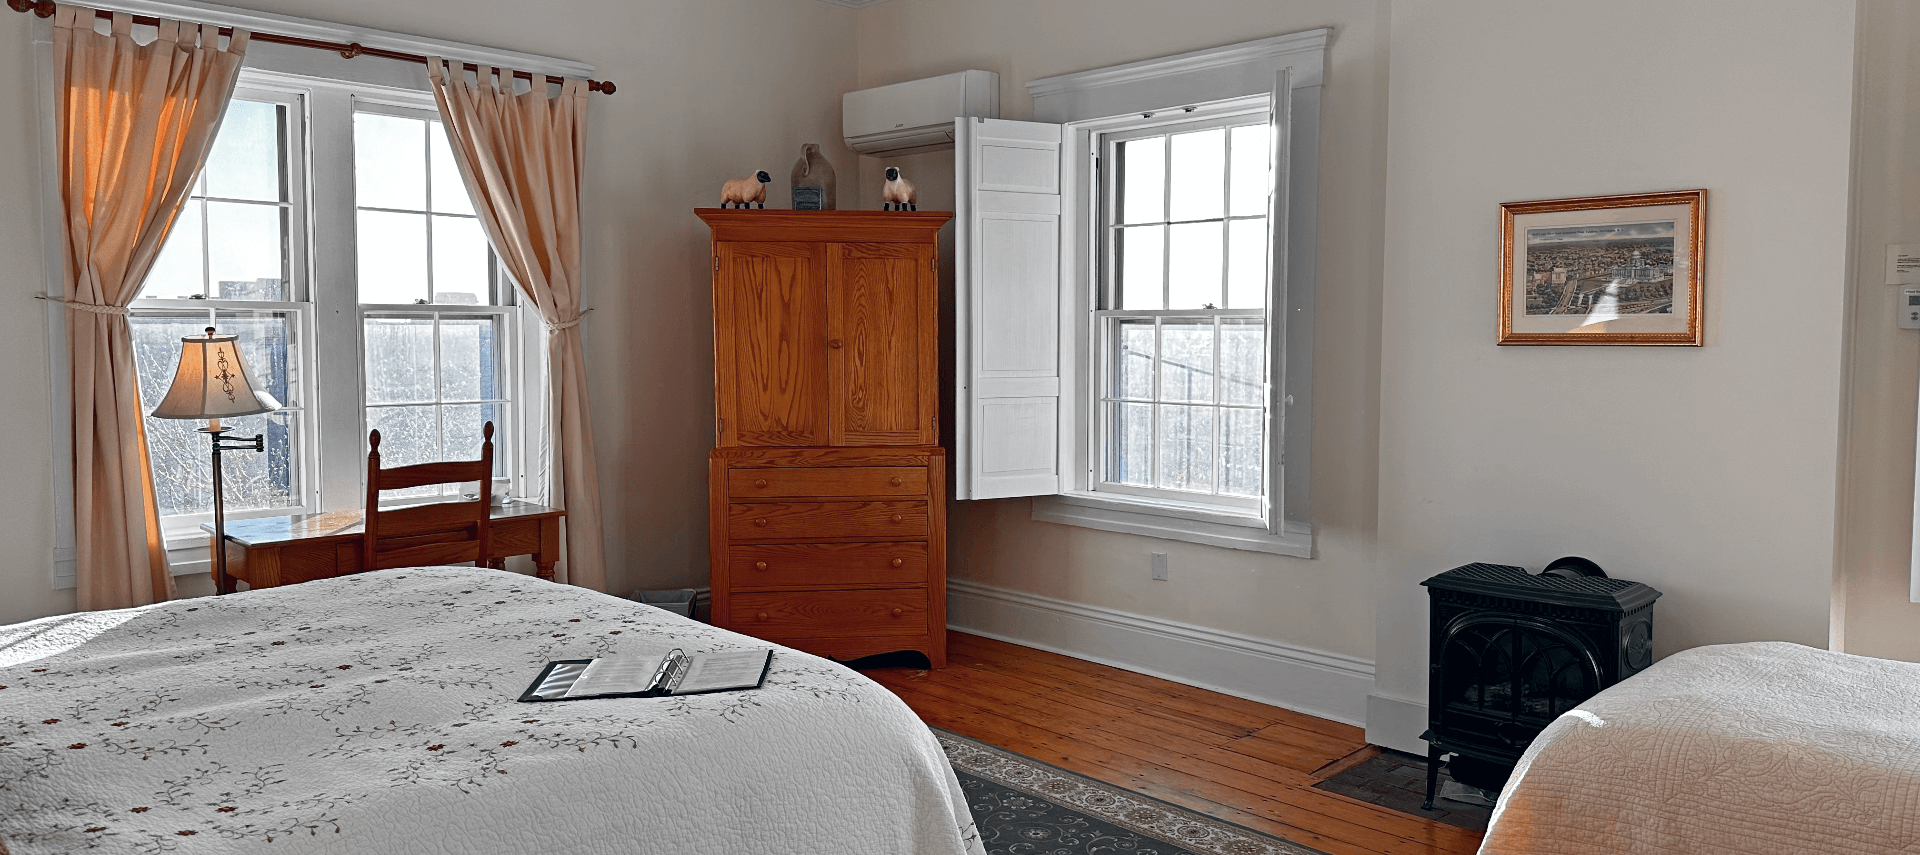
point(1007, 308)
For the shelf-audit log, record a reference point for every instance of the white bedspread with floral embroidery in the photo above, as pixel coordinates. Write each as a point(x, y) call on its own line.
point(377, 714)
point(1767, 748)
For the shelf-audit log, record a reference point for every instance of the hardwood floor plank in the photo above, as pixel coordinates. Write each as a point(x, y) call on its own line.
point(1227, 757)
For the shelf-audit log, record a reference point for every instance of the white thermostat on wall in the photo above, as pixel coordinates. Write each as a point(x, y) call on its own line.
point(1909, 307)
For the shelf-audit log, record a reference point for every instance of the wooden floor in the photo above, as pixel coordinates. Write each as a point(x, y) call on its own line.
point(1241, 761)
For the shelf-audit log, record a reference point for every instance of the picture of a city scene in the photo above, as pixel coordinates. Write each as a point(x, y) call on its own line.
point(1615, 269)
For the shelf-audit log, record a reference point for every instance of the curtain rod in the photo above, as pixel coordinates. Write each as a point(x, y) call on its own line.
point(44, 9)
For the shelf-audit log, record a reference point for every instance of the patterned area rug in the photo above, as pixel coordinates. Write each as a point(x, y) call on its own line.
point(1022, 805)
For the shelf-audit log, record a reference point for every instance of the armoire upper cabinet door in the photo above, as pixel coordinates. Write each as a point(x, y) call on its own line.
point(769, 319)
point(881, 343)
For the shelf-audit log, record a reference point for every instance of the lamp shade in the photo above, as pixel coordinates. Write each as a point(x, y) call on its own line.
point(212, 383)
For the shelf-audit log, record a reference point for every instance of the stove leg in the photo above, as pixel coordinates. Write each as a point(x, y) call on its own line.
point(1433, 773)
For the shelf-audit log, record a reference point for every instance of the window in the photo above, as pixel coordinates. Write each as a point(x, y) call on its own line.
point(1134, 282)
point(432, 379)
point(233, 262)
point(420, 329)
point(1182, 323)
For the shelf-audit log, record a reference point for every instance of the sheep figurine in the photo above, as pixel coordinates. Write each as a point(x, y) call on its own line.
point(744, 192)
point(898, 193)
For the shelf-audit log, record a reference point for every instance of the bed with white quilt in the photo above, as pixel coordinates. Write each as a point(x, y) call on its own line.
point(377, 713)
point(1741, 748)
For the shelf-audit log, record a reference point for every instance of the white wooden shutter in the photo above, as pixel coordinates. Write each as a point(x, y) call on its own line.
point(1007, 308)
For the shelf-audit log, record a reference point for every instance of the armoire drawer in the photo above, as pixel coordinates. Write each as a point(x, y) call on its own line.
point(795, 565)
point(818, 520)
point(820, 614)
point(794, 482)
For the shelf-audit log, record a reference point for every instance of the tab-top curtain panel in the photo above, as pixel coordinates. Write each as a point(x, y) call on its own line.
point(522, 156)
point(134, 123)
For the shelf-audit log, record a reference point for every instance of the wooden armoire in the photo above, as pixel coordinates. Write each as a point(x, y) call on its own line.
point(828, 491)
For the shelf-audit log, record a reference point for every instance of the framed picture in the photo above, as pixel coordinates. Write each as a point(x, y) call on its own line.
point(1603, 270)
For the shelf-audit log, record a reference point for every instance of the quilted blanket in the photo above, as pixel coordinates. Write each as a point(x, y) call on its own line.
point(1741, 748)
point(376, 714)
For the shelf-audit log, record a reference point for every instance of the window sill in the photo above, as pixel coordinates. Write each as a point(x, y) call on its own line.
point(1174, 522)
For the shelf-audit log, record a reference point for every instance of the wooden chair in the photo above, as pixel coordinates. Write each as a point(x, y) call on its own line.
point(435, 533)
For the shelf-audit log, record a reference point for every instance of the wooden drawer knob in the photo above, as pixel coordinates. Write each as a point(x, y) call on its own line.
point(895, 481)
point(763, 615)
point(896, 517)
point(835, 344)
point(759, 565)
point(896, 612)
point(759, 482)
point(760, 521)
point(897, 562)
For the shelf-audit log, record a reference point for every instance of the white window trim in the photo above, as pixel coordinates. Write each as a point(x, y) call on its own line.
point(279, 67)
point(1288, 71)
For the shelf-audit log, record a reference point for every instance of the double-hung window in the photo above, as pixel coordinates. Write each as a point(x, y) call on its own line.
point(433, 319)
point(1134, 283)
point(1181, 324)
point(330, 229)
point(236, 260)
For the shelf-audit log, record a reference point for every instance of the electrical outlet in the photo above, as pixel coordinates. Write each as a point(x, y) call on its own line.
point(1160, 566)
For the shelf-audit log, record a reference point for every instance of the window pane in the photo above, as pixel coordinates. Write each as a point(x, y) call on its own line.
point(1131, 459)
point(1141, 254)
point(1186, 448)
point(399, 365)
point(1242, 441)
point(1186, 361)
point(245, 161)
point(1243, 362)
point(180, 271)
point(1194, 270)
point(1199, 174)
point(393, 257)
point(389, 162)
point(1247, 264)
point(408, 435)
point(449, 191)
point(1133, 373)
point(460, 262)
point(463, 432)
point(1251, 181)
point(245, 251)
point(269, 346)
point(463, 440)
point(469, 359)
point(156, 349)
point(1143, 180)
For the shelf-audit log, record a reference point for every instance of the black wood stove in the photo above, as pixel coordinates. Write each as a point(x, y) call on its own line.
point(1511, 651)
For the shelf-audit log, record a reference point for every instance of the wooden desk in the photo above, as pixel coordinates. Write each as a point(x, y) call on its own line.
point(271, 551)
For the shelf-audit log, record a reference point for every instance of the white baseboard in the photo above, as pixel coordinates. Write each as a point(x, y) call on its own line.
point(1329, 685)
point(1396, 723)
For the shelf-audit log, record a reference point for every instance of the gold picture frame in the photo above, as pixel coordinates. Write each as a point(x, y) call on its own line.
point(1614, 270)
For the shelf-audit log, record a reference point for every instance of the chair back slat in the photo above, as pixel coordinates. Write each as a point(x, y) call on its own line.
point(433, 533)
point(422, 474)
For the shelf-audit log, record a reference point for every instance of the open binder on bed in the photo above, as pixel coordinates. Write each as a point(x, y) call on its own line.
point(676, 673)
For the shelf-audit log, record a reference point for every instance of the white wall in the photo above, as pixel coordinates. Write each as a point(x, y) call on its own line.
point(1708, 473)
point(708, 90)
point(1873, 614)
point(26, 445)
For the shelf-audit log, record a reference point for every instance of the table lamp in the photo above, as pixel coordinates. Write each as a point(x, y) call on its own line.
point(212, 383)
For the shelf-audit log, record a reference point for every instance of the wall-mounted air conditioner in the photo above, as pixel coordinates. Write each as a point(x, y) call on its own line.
point(917, 115)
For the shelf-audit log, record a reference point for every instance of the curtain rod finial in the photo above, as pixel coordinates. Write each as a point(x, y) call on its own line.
point(604, 87)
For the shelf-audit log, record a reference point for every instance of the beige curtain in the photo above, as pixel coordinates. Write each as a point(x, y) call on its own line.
point(521, 156)
point(134, 125)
